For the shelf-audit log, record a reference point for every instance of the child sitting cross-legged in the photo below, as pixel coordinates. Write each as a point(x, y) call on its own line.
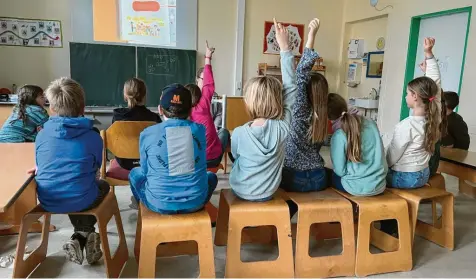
point(172, 177)
point(68, 157)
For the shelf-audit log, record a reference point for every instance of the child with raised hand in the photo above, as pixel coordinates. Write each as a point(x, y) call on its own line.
point(303, 165)
point(415, 138)
point(258, 146)
point(27, 118)
point(357, 152)
point(202, 94)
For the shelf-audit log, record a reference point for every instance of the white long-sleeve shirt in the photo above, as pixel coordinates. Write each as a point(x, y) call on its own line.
point(406, 152)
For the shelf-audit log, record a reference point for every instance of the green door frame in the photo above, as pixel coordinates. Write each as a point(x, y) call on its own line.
point(413, 46)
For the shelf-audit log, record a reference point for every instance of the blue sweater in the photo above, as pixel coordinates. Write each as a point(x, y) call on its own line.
point(15, 131)
point(259, 151)
point(68, 155)
point(368, 177)
point(173, 158)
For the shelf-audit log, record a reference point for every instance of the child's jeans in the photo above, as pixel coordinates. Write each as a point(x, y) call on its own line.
point(138, 180)
point(407, 180)
point(302, 181)
point(224, 137)
point(337, 183)
point(85, 223)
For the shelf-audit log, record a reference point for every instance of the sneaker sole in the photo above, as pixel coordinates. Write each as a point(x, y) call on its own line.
point(93, 248)
point(73, 253)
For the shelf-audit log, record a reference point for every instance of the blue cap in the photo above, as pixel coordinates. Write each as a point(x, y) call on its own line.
point(176, 95)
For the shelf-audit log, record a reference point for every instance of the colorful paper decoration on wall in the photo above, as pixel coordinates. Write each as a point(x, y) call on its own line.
point(296, 35)
point(30, 32)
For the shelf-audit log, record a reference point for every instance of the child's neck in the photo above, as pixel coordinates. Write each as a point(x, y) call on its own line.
point(419, 111)
point(258, 122)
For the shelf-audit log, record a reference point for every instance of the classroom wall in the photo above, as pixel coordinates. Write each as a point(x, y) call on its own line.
point(396, 52)
point(302, 11)
point(369, 31)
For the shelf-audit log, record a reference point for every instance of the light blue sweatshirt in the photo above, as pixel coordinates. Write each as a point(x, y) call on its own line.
point(368, 177)
point(259, 151)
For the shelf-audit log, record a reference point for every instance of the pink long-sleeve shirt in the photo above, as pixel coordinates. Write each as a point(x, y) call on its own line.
point(201, 114)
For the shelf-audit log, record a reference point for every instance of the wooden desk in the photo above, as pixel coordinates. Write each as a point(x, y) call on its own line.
point(462, 164)
point(18, 189)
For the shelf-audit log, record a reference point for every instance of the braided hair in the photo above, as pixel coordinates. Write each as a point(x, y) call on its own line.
point(27, 96)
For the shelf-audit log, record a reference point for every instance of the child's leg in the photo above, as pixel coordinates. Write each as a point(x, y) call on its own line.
point(408, 180)
point(212, 185)
point(337, 182)
point(84, 232)
point(224, 136)
point(137, 179)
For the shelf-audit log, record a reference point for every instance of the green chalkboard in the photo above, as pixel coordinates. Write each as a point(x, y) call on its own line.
point(102, 71)
point(161, 67)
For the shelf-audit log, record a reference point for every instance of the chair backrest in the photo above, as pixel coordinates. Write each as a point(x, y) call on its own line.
point(234, 112)
point(122, 138)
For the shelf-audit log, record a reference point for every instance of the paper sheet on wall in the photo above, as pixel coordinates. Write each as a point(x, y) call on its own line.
point(149, 22)
point(30, 32)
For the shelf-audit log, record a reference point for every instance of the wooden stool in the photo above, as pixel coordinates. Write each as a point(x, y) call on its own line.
point(398, 256)
point(441, 233)
point(234, 215)
point(227, 150)
point(154, 229)
point(436, 181)
point(103, 213)
point(323, 207)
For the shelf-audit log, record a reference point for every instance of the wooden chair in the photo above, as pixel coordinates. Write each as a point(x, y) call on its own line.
point(323, 207)
point(122, 140)
point(398, 252)
point(441, 233)
point(104, 212)
point(234, 216)
point(234, 115)
point(154, 229)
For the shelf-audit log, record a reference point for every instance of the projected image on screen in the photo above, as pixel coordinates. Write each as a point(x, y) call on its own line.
point(148, 22)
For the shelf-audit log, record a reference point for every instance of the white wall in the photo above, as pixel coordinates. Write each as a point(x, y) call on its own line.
point(21, 65)
point(301, 11)
point(369, 31)
point(396, 52)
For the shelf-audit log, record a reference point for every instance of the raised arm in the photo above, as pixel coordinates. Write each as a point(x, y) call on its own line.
point(208, 88)
point(430, 66)
point(287, 69)
point(302, 108)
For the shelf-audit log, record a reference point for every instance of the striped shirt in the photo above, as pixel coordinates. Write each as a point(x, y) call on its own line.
point(15, 131)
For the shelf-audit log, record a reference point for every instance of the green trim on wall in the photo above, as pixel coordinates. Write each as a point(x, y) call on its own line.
point(413, 47)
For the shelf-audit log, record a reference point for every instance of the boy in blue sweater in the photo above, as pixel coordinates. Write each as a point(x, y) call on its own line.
point(172, 177)
point(68, 156)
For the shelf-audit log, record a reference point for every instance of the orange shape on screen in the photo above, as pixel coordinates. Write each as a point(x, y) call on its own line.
point(146, 6)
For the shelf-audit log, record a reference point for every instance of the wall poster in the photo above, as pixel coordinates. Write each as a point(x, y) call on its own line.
point(30, 32)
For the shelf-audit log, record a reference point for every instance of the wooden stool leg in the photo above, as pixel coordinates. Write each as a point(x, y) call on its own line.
point(148, 255)
point(363, 253)
point(23, 268)
point(434, 213)
point(226, 162)
point(443, 236)
point(221, 231)
point(348, 243)
point(138, 236)
point(233, 251)
point(285, 244)
point(205, 253)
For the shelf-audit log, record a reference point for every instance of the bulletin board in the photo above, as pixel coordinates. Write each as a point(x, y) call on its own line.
point(30, 32)
point(296, 35)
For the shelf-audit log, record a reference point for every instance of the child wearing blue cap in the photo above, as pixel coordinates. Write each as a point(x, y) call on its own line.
point(172, 177)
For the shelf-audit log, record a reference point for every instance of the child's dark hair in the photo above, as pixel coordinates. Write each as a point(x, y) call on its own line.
point(444, 117)
point(451, 99)
point(196, 93)
point(351, 125)
point(426, 89)
point(317, 90)
point(27, 96)
point(176, 112)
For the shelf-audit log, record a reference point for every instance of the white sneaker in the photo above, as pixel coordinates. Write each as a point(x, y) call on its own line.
point(74, 249)
point(93, 248)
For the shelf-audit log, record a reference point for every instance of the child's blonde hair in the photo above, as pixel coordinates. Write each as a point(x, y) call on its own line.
point(134, 92)
point(426, 89)
point(66, 97)
point(264, 98)
point(317, 90)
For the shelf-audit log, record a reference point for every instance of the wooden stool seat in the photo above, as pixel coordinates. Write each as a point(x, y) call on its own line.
point(398, 256)
point(441, 233)
point(103, 213)
point(234, 215)
point(323, 207)
point(154, 229)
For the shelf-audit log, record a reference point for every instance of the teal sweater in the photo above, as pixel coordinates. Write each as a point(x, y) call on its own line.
point(15, 131)
point(259, 151)
point(366, 178)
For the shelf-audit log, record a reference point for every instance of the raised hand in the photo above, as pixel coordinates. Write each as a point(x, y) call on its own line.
point(282, 36)
point(209, 52)
point(313, 28)
point(428, 45)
